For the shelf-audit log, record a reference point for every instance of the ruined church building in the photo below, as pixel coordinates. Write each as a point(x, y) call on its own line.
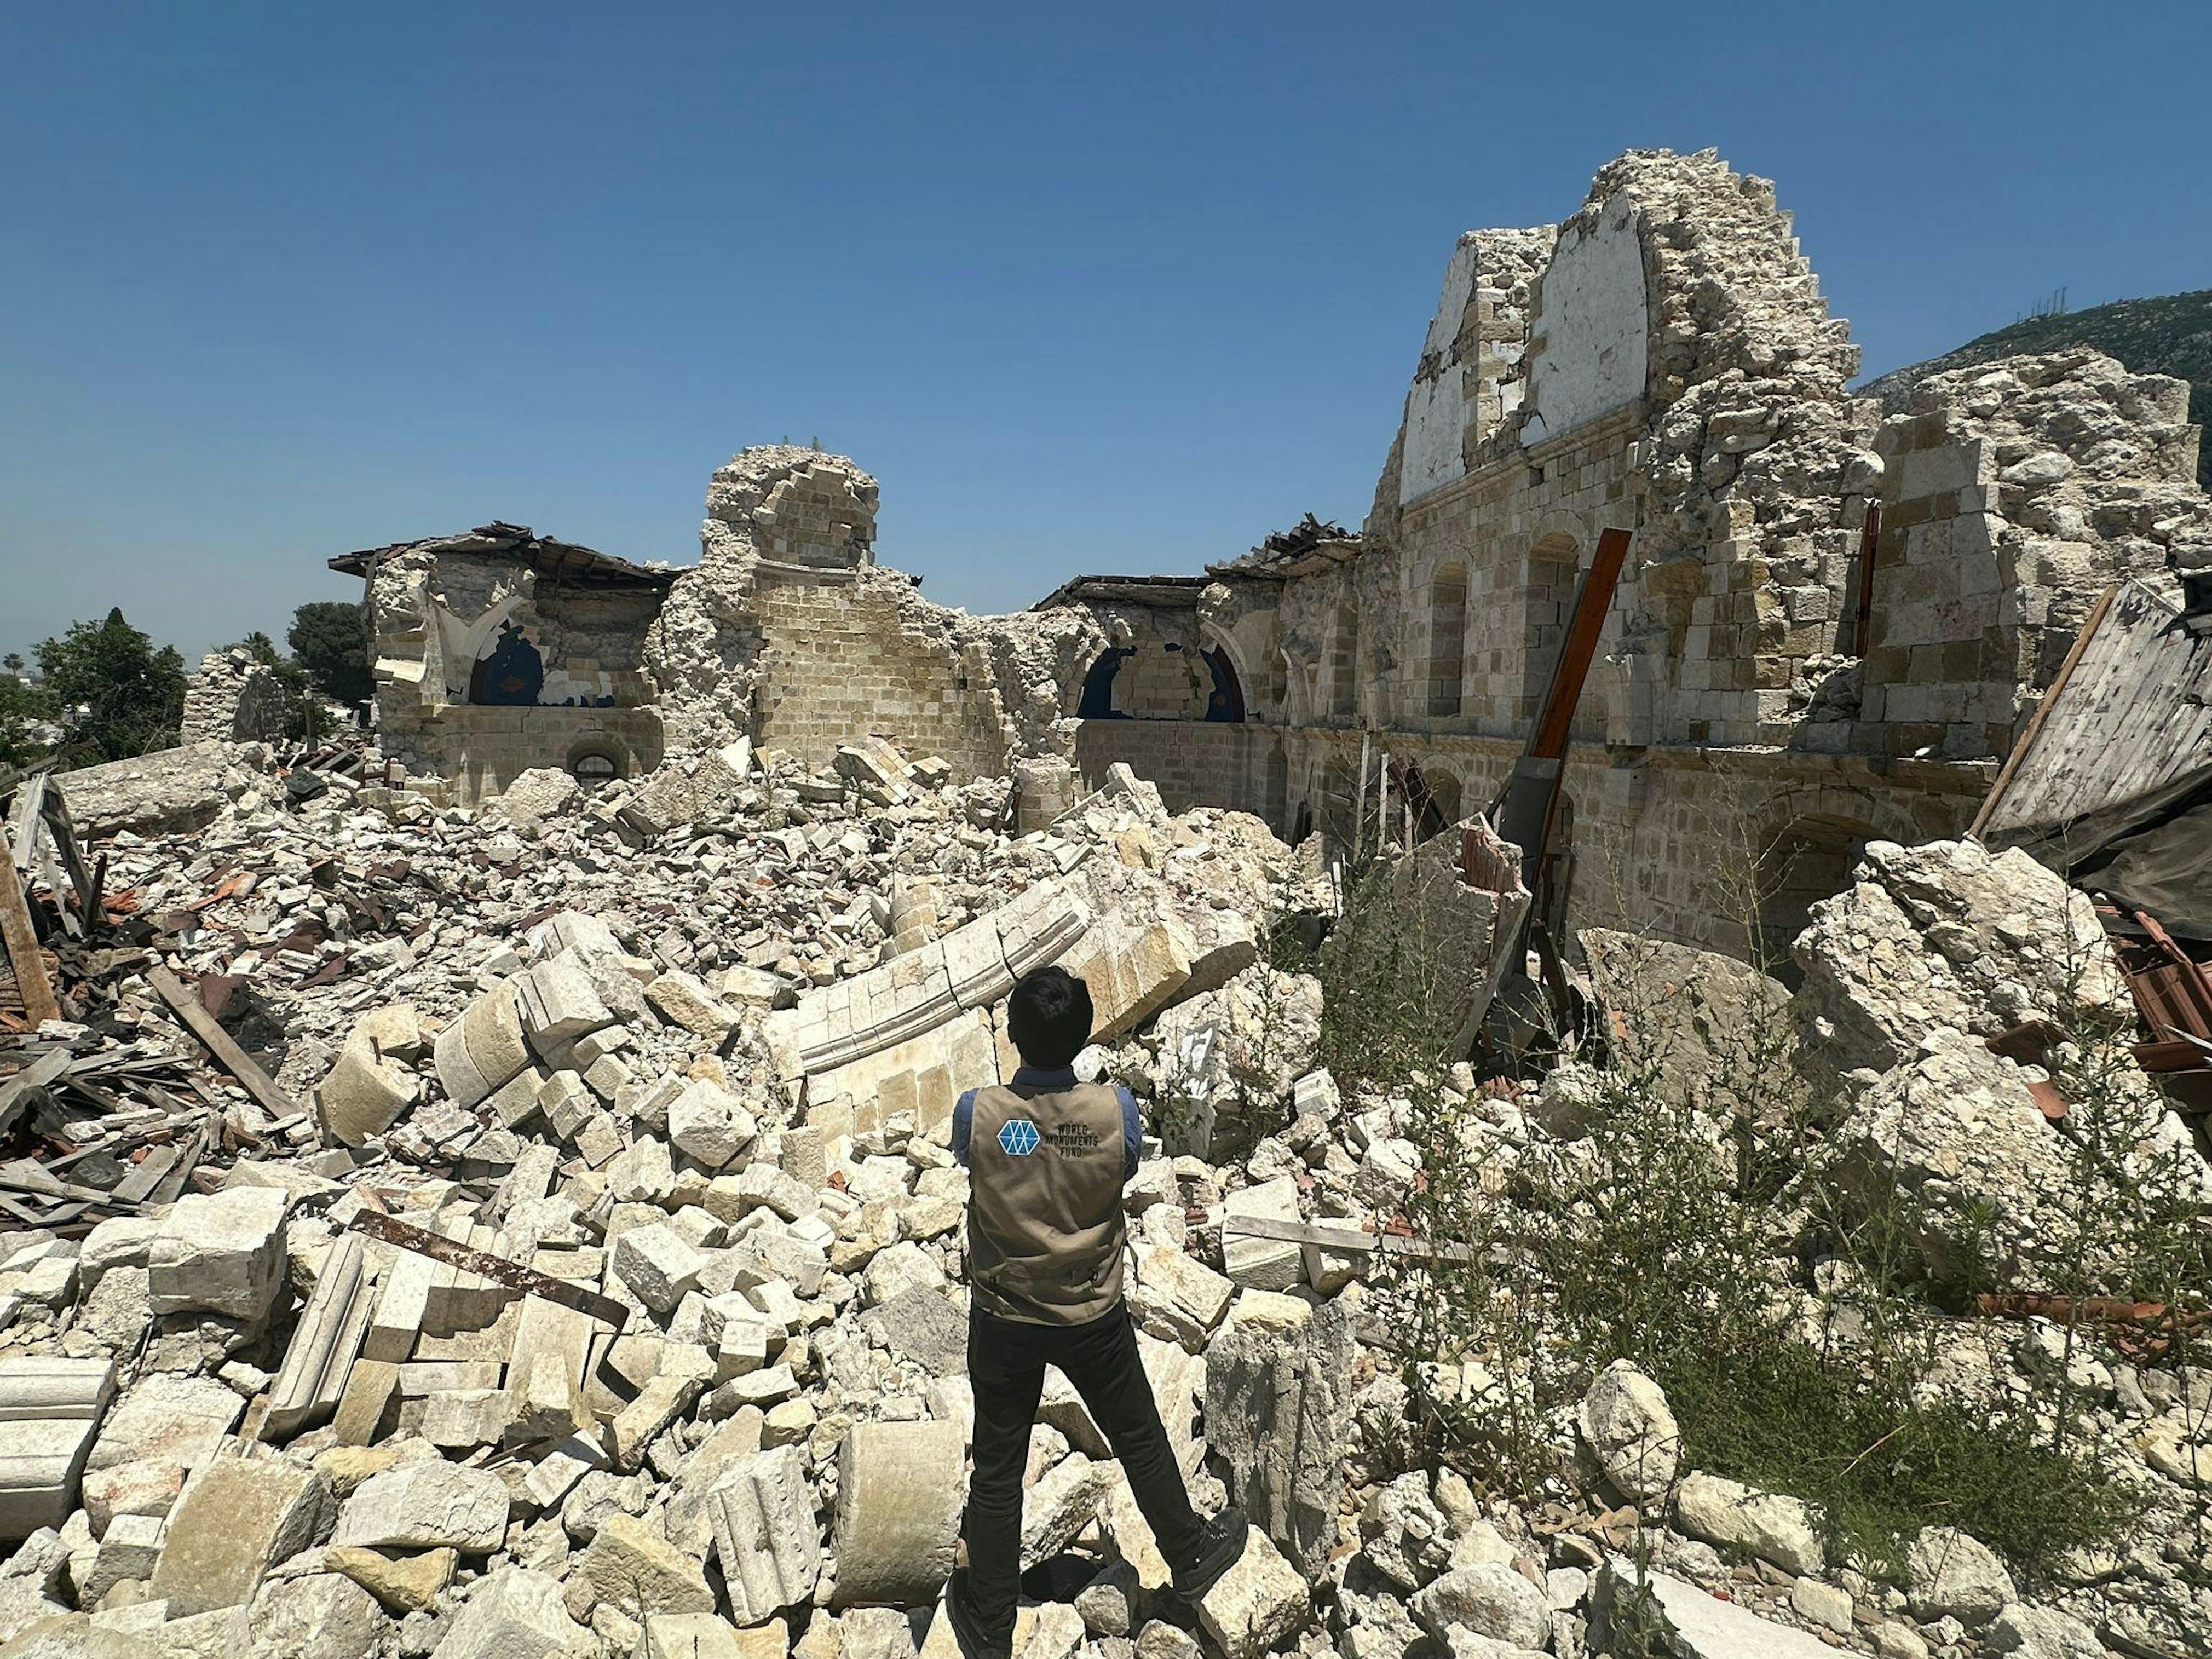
point(1661, 362)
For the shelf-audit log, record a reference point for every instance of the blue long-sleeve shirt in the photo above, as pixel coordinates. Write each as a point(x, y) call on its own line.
point(1045, 1081)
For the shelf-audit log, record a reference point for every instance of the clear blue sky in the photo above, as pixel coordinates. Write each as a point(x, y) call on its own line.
point(1110, 288)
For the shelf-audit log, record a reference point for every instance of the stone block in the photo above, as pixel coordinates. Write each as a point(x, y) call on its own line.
point(220, 1253)
point(42, 1464)
point(1278, 1412)
point(236, 1521)
point(372, 1083)
point(483, 1048)
point(687, 1000)
point(514, 1613)
point(331, 1328)
point(544, 1396)
point(461, 1419)
point(517, 1100)
point(766, 1536)
point(1264, 1264)
point(708, 1125)
point(1177, 1297)
point(1768, 1525)
point(659, 1403)
point(1257, 1602)
point(558, 1003)
point(1631, 1431)
point(1132, 969)
point(1064, 1500)
point(1693, 1622)
point(632, 1568)
point(131, 1549)
point(567, 1103)
point(1488, 1599)
point(658, 1265)
point(899, 1487)
point(164, 1428)
point(433, 1504)
point(402, 1582)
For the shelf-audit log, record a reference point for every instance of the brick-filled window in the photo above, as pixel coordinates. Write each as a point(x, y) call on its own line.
point(1447, 639)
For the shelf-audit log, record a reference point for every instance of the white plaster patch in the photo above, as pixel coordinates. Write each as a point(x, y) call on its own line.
point(1436, 419)
point(1589, 337)
point(1435, 409)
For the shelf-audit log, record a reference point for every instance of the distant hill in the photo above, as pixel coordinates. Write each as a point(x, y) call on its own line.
point(2168, 336)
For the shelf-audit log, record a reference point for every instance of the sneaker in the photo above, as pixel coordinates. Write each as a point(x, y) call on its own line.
point(1218, 1547)
point(974, 1643)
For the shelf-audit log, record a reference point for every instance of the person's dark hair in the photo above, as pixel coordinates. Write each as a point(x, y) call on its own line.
point(1048, 1016)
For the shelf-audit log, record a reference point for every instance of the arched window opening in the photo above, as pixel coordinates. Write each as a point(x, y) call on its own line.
point(1098, 700)
point(1553, 564)
point(1447, 639)
point(594, 769)
point(1225, 703)
point(1338, 806)
point(1344, 663)
point(1441, 809)
point(1808, 859)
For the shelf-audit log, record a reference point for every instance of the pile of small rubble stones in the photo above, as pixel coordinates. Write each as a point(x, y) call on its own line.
point(248, 1425)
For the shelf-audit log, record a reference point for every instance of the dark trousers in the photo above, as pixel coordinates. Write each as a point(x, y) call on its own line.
point(1006, 1365)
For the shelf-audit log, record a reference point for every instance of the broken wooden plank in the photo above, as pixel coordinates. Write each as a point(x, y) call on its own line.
point(185, 1005)
point(169, 1188)
point(497, 1268)
point(1342, 1238)
point(62, 830)
point(2035, 720)
point(21, 941)
point(16, 1091)
point(18, 1213)
point(139, 1181)
point(24, 1176)
point(23, 822)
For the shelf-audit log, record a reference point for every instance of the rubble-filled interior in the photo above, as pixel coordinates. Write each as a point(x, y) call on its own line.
point(484, 1190)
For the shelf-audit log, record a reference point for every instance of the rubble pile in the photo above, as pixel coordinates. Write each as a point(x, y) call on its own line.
point(603, 1295)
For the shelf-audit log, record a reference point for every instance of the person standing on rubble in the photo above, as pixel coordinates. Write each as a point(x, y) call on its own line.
point(1048, 1157)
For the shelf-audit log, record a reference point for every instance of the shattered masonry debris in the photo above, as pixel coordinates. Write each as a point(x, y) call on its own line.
point(487, 1189)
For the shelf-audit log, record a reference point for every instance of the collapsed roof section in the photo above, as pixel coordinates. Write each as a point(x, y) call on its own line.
point(1171, 592)
point(2111, 783)
point(1308, 546)
point(565, 562)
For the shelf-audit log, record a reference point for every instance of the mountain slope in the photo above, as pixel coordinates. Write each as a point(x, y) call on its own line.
point(2171, 334)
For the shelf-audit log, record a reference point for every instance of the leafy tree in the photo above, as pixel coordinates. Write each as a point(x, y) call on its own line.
point(116, 693)
point(26, 711)
point(13, 662)
point(330, 639)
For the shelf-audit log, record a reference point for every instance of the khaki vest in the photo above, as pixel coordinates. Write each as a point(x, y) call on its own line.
point(1045, 1230)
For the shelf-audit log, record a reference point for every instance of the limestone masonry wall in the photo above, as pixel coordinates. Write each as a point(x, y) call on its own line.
point(842, 662)
point(1661, 361)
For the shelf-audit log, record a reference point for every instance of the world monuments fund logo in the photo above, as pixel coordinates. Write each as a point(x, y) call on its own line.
point(1018, 1137)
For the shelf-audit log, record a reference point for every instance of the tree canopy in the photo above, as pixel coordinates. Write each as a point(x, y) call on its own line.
point(330, 639)
point(114, 692)
point(25, 716)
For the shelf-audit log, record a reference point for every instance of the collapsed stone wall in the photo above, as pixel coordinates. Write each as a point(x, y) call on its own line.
point(1664, 362)
point(233, 698)
point(788, 632)
point(872, 657)
point(2013, 494)
point(487, 667)
point(1679, 375)
point(799, 508)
